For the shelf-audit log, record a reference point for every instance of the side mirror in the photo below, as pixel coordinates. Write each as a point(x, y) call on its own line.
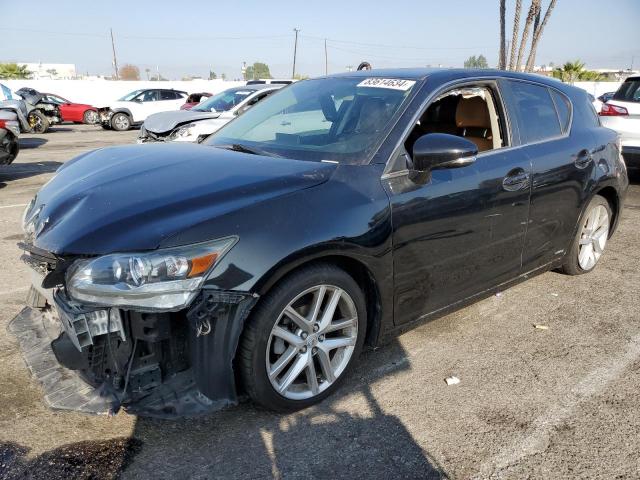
point(440, 150)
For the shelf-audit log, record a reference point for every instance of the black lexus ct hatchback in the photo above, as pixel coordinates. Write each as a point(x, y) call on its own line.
point(332, 214)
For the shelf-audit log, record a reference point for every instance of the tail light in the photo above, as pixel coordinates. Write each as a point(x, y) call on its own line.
point(609, 110)
point(3, 124)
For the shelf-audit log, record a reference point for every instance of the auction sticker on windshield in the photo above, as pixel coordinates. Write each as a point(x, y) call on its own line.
point(392, 83)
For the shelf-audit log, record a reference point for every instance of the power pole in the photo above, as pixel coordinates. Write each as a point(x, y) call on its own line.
point(295, 51)
point(326, 61)
point(113, 48)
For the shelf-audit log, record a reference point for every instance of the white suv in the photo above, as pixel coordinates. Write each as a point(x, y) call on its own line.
point(622, 114)
point(135, 107)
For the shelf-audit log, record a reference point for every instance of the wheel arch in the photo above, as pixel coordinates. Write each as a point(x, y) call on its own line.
point(354, 267)
point(122, 110)
point(610, 194)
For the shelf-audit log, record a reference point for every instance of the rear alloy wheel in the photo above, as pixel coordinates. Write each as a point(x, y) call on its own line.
point(38, 121)
point(120, 122)
point(302, 338)
point(591, 238)
point(90, 117)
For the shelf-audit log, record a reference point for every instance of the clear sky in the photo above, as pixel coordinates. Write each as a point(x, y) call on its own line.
point(190, 37)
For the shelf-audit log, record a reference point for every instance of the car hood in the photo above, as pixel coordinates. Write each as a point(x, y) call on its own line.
point(165, 121)
point(137, 197)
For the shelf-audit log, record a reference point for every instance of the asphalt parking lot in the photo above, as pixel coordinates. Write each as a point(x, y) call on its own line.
point(532, 403)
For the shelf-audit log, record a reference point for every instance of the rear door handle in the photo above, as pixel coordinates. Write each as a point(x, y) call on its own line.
point(583, 158)
point(516, 179)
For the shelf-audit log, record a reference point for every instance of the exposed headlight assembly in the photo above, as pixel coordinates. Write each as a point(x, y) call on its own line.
point(181, 132)
point(166, 279)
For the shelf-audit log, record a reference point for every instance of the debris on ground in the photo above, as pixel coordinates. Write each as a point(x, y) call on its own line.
point(555, 294)
point(452, 380)
point(542, 327)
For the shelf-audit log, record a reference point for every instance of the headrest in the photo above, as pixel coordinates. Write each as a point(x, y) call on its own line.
point(472, 112)
point(371, 115)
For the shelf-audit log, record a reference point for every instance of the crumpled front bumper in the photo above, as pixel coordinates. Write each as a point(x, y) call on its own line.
point(104, 115)
point(215, 322)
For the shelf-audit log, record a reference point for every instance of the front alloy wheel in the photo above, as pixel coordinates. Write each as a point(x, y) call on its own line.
point(312, 342)
point(302, 338)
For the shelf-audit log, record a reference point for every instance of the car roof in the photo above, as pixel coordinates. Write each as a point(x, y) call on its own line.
point(260, 86)
point(632, 77)
point(449, 74)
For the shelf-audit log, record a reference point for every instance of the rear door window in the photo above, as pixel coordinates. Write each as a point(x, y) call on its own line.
point(536, 112)
point(167, 95)
point(629, 91)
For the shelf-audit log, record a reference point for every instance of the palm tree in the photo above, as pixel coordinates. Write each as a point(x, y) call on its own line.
point(572, 71)
point(516, 31)
point(533, 11)
point(13, 70)
point(537, 33)
point(503, 53)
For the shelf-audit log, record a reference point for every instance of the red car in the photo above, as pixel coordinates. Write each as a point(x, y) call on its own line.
point(73, 112)
point(194, 99)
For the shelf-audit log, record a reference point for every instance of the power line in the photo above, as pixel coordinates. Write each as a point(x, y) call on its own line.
point(412, 47)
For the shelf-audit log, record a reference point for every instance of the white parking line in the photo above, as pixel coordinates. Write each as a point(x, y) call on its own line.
point(15, 290)
point(537, 438)
point(14, 206)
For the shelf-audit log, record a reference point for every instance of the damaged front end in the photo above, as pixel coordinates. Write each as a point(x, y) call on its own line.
point(104, 116)
point(151, 362)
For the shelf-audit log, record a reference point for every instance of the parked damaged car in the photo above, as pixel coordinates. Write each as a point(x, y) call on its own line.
point(132, 109)
point(9, 134)
point(202, 120)
point(43, 114)
point(33, 114)
point(73, 112)
point(332, 215)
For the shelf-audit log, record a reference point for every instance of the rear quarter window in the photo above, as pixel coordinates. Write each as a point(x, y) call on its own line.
point(536, 112)
point(563, 107)
point(629, 91)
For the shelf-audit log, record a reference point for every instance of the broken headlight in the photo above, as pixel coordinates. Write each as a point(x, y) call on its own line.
point(181, 132)
point(166, 279)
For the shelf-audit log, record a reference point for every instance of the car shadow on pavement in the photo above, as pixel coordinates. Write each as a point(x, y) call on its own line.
point(349, 435)
point(17, 171)
point(32, 142)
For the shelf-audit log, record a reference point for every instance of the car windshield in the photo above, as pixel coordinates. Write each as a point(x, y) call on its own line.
point(338, 119)
point(130, 96)
point(224, 101)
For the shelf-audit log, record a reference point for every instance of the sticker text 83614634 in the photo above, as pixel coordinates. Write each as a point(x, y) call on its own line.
point(392, 83)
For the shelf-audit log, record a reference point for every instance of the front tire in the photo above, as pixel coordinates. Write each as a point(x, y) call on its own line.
point(120, 122)
point(591, 238)
point(303, 338)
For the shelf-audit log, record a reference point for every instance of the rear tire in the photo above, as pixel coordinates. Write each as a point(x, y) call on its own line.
point(323, 348)
point(38, 121)
point(90, 117)
point(591, 238)
point(120, 122)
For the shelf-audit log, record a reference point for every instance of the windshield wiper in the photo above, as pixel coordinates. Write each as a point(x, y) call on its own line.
point(237, 147)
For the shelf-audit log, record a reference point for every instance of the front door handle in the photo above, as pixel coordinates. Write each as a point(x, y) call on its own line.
point(516, 179)
point(583, 158)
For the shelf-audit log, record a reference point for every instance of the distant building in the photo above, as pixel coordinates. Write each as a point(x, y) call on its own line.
point(54, 71)
point(615, 75)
